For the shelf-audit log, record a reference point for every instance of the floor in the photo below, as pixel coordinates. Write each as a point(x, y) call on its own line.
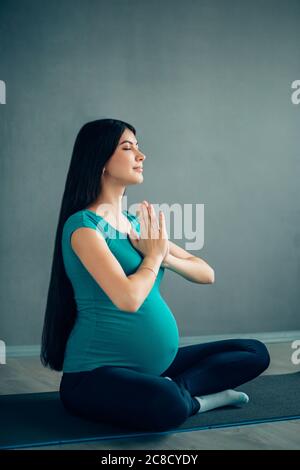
point(27, 375)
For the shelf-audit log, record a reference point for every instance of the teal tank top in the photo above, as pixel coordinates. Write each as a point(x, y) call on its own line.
point(146, 340)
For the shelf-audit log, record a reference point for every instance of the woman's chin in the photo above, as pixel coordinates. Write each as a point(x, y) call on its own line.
point(139, 178)
point(132, 181)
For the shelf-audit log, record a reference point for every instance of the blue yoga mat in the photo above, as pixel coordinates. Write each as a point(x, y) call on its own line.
point(39, 419)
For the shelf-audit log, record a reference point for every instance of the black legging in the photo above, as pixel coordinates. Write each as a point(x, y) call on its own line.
point(135, 400)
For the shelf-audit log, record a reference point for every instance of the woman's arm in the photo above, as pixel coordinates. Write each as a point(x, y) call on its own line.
point(126, 292)
point(190, 267)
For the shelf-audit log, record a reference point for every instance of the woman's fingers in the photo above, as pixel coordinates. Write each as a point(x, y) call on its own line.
point(153, 221)
point(162, 225)
point(150, 225)
point(146, 226)
point(142, 223)
point(149, 214)
point(160, 221)
point(147, 219)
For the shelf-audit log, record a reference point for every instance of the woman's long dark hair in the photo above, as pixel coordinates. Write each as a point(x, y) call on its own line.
point(94, 145)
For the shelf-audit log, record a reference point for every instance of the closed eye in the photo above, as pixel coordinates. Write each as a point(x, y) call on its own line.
point(128, 148)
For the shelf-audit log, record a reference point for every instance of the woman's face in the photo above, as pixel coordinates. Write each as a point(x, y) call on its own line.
point(127, 156)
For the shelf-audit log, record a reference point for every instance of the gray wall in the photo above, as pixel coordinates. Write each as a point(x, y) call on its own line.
point(207, 84)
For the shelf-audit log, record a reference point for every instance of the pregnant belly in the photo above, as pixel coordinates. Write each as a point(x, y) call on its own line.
point(146, 340)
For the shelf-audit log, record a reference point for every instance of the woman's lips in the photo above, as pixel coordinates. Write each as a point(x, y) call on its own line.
point(140, 170)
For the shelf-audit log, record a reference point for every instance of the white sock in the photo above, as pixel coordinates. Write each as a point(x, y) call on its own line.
point(224, 398)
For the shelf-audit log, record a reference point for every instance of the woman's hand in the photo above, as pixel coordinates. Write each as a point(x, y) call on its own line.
point(153, 239)
point(164, 261)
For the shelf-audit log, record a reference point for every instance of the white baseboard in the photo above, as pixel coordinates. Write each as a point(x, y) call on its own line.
point(265, 337)
point(23, 351)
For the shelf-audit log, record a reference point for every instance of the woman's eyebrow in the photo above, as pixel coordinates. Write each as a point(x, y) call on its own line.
point(128, 141)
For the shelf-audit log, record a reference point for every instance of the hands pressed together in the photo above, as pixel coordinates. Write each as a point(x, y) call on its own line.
point(153, 238)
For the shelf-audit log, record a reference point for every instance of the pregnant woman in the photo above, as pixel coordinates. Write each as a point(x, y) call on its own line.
point(107, 326)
